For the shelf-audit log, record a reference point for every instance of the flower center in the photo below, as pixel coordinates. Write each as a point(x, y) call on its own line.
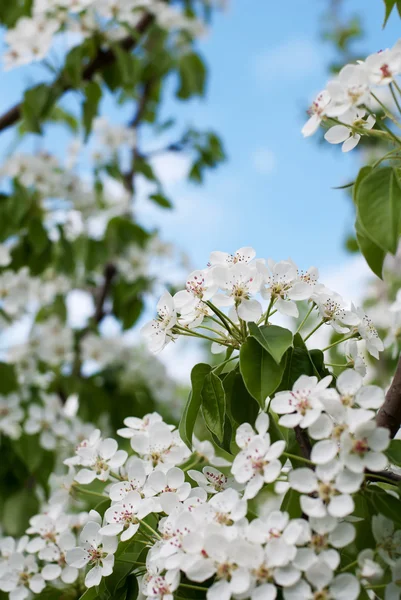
point(360, 447)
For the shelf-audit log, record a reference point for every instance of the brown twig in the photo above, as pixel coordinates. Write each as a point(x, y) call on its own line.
point(303, 441)
point(110, 272)
point(389, 414)
point(102, 59)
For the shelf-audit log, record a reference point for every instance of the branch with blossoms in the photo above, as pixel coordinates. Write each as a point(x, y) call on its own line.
point(268, 522)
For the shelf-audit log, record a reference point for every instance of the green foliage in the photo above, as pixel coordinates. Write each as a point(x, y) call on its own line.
point(90, 106)
point(393, 452)
point(261, 373)
point(241, 406)
point(377, 196)
point(192, 76)
point(192, 407)
point(276, 340)
point(214, 404)
point(17, 510)
point(389, 5)
point(38, 104)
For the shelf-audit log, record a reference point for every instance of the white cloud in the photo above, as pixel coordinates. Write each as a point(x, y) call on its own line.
point(292, 59)
point(171, 168)
point(263, 161)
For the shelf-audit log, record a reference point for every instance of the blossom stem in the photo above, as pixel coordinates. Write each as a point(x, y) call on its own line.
point(183, 331)
point(337, 366)
point(194, 463)
point(193, 587)
point(224, 318)
point(389, 116)
point(209, 329)
point(272, 300)
point(395, 98)
point(300, 458)
point(380, 478)
point(313, 330)
point(305, 318)
point(89, 492)
point(232, 332)
point(224, 363)
point(149, 528)
point(387, 155)
point(344, 339)
point(349, 566)
point(116, 476)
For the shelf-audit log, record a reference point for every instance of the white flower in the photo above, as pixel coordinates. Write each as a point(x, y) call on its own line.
point(383, 66)
point(56, 553)
point(349, 89)
point(11, 416)
point(363, 449)
point(99, 460)
point(245, 432)
point(206, 451)
point(368, 332)
point(341, 587)
point(211, 480)
point(241, 282)
point(350, 386)
point(332, 309)
point(170, 487)
point(124, 517)
point(21, 576)
point(302, 406)
point(388, 540)
point(137, 471)
point(344, 134)
point(316, 111)
point(243, 255)
point(49, 421)
point(5, 256)
point(158, 331)
point(161, 587)
point(368, 567)
point(285, 285)
point(160, 446)
point(353, 352)
point(332, 487)
point(95, 550)
point(258, 464)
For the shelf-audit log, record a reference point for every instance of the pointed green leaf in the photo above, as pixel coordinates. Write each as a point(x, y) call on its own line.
point(188, 419)
point(378, 199)
point(374, 255)
point(260, 372)
point(393, 452)
point(214, 404)
point(276, 340)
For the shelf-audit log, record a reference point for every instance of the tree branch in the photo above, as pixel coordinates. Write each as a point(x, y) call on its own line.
point(389, 414)
point(303, 441)
point(110, 271)
point(103, 59)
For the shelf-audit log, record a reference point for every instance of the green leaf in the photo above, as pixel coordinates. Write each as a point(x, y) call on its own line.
point(214, 404)
point(17, 511)
point(378, 198)
point(393, 452)
point(191, 410)
point(8, 379)
point(241, 406)
point(374, 255)
point(90, 594)
point(28, 448)
point(192, 76)
point(291, 504)
point(389, 5)
point(161, 200)
point(260, 372)
point(37, 104)
point(132, 588)
point(37, 235)
point(386, 505)
point(93, 94)
point(276, 340)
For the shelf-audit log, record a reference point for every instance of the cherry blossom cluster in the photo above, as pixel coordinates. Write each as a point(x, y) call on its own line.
point(202, 530)
point(345, 105)
point(240, 282)
point(33, 37)
point(21, 292)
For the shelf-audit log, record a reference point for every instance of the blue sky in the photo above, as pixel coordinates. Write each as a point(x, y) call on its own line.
point(275, 191)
